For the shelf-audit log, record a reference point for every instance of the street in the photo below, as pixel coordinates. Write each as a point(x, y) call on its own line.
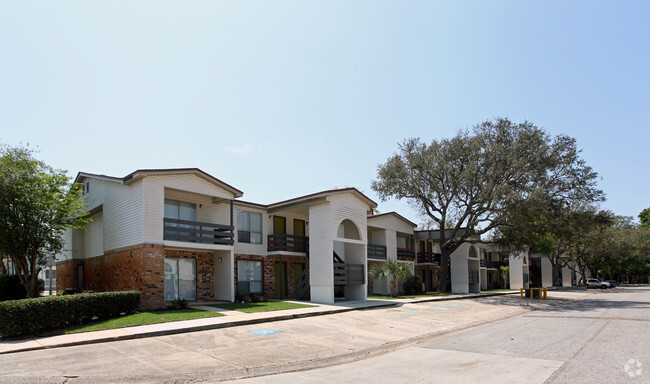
point(573, 337)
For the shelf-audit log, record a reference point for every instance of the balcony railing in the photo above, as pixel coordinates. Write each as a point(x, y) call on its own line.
point(376, 251)
point(483, 263)
point(405, 254)
point(494, 264)
point(428, 258)
point(198, 232)
point(289, 243)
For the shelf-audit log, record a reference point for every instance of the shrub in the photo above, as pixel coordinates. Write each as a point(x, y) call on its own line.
point(413, 286)
point(32, 316)
point(11, 288)
point(256, 298)
point(178, 304)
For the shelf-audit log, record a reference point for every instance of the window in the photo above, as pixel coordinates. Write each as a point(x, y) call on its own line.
point(249, 227)
point(180, 279)
point(249, 276)
point(180, 210)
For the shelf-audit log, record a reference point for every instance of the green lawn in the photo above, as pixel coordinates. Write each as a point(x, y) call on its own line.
point(260, 307)
point(144, 318)
point(381, 297)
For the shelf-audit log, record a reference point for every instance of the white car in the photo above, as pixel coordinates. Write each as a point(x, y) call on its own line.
point(595, 283)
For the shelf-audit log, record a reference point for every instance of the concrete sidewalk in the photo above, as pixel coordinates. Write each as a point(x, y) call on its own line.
point(231, 319)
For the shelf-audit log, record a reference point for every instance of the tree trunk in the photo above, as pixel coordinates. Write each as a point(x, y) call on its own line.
point(393, 289)
point(443, 272)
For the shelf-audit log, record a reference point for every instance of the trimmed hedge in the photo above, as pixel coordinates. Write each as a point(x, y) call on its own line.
point(32, 316)
point(10, 288)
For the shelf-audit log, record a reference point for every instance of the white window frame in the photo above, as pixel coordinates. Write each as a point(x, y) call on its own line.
point(175, 277)
point(245, 234)
point(246, 279)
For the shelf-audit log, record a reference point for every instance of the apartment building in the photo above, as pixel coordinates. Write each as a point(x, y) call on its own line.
point(184, 234)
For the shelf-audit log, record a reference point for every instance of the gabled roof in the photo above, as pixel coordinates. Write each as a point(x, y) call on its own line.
point(324, 194)
point(409, 222)
point(140, 173)
point(310, 198)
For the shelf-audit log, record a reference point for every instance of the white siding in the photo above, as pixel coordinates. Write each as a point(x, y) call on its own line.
point(348, 206)
point(516, 263)
point(123, 212)
point(390, 222)
point(321, 273)
point(189, 188)
point(249, 248)
point(224, 276)
point(93, 244)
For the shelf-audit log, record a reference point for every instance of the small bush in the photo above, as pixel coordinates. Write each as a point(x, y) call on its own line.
point(11, 288)
point(413, 286)
point(256, 298)
point(243, 298)
point(32, 316)
point(177, 304)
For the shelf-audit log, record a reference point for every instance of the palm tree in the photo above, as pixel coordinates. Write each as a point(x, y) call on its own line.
point(395, 270)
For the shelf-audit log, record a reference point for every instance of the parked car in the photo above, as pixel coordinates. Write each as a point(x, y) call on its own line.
point(612, 283)
point(595, 283)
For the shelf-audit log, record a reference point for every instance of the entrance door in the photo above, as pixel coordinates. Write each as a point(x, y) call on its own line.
point(279, 225)
point(280, 279)
point(298, 268)
point(299, 232)
point(80, 277)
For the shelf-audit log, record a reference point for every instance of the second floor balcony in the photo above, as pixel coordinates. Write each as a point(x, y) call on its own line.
point(377, 251)
point(494, 264)
point(428, 258)
point(405, 254)
point(198, 232)
point(288, 243)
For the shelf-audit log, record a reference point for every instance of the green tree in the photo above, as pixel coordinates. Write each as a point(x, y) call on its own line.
point(37, 204)
point(644, 217)
point(479, 180)
point(394, 270)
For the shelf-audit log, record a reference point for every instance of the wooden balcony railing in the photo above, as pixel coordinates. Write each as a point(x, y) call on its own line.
point(376, 251)
point(494, 264)
point(405, 254)
point(428, 258)
point(198, 232)
point(289, 243)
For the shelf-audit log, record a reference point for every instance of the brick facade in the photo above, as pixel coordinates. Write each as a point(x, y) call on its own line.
point(204, 271)
point(268, 268)
point(65, 274)
point(139, 268)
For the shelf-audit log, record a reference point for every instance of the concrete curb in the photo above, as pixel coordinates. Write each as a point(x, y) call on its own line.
point(236, 323)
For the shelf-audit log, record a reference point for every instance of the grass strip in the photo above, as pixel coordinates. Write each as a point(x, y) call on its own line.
point(144, 318)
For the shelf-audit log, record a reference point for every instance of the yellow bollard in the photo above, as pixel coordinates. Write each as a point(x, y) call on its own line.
point(521, 292)
point(531, 292)
point(545, 290)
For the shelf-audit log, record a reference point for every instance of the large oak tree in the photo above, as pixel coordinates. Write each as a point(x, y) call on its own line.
point(37, 204)
point(482, 178)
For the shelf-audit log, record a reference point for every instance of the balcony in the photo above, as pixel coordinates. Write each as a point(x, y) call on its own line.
point(429, 258)
point(376, 251)
point(405, 254)
point(198, 232)
point(494, 264)
point(288, 243)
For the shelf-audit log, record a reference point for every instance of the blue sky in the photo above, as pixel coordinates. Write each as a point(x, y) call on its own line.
point(286, 98)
